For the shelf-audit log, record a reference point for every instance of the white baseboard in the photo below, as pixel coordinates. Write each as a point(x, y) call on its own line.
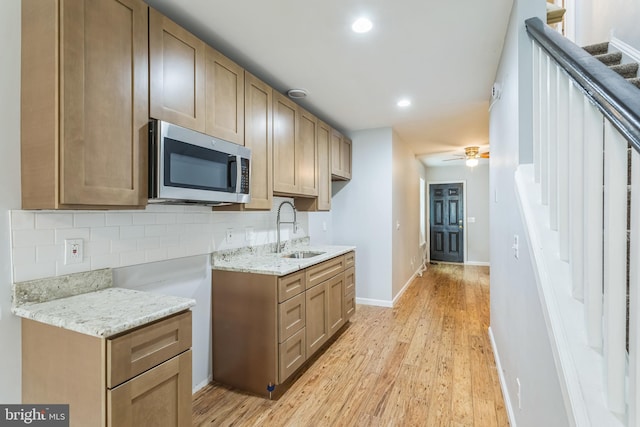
point(202, 385)
point(626, 49)
point(503, 381)
point(376, 302)
point(404, 288)
point(478, 263)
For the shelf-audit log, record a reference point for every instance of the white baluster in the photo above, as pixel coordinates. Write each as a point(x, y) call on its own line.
point(593, 146)
point(634, 290)
point(544, 128)
point(615, 258)
point(536, 111)
point(553, 145)
point(563, 165)
point(576, 189)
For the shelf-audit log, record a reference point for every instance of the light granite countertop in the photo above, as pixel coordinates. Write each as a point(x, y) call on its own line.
point(268, 262)
point(105, 312)
point(88, 303)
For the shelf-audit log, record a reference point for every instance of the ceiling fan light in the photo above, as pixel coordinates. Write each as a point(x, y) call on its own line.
point(471, 162)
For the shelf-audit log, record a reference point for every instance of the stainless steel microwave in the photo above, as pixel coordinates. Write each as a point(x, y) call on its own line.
point(189, 167)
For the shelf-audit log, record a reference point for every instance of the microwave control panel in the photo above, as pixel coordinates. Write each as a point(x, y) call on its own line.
point(244, 171)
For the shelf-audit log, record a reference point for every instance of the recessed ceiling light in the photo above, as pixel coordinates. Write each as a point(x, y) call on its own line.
point(362, 25)
point(297, 93)
point(404, 103)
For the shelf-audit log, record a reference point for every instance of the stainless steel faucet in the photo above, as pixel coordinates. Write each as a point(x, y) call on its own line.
point(278, 222)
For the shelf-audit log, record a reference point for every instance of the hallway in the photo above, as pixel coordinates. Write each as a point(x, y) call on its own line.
point(426, 362)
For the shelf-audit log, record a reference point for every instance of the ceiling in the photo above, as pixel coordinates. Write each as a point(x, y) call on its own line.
point(442, 55)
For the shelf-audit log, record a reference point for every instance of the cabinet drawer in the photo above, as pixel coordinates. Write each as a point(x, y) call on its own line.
point(349, 259)
point(292, 355)
point(291, 317)
point(139, 350)
point(349, 280)
point(325, 270)
point(290, 285)
point(159, 397)
point(349, 305)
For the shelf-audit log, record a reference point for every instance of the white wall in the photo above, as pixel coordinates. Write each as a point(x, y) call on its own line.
point(595, 19)
point(407, 255)
point(477, 197)
point(362, 214)
point(10, 365)
point(321, 228)
point(517, 322)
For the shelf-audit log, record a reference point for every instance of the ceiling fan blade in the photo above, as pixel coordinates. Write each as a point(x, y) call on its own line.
point(484, 155)
point(455, 158)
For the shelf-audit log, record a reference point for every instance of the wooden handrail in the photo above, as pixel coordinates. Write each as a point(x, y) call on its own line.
point(617, 99)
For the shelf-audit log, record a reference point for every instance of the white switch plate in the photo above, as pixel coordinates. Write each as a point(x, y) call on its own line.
point(248, 234)
point(471, 219)
point(516, 246)
point(229, 235)
point(324, 226)
point(73, 251)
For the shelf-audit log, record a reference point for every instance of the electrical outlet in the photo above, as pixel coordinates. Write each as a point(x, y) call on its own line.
point(248, 234)
point(229, 235)
point(519, 394)
point(516, 246)
point(73, 251)
point(324, 226)
point(296, 228)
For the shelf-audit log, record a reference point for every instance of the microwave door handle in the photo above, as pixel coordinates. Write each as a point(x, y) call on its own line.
point(238, 174)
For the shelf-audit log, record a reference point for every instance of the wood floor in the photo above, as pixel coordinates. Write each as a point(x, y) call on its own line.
point(426, 362)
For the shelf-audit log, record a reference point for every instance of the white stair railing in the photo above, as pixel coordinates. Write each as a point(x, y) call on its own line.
point(580, 140)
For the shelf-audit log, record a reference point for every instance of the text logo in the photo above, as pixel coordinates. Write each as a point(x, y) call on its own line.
point(34, 415)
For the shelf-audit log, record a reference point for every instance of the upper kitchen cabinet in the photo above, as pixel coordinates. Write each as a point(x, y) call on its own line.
point(84, 109)
point(324, 167)
point(224, 104)
point(177, 74)
point(340, 156)
point(285, 149)
point(295, 153)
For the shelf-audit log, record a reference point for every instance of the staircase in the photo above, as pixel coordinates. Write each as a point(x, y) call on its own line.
point(613, 60)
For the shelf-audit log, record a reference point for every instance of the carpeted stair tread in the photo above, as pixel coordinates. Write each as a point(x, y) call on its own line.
point(635, 81)
point(597, 49)
point(609, 59)
point(626, 70)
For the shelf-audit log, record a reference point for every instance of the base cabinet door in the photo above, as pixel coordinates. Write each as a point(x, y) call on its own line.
point(335, 288)
point(159, 397)
point(292, 354)
point(317, 317)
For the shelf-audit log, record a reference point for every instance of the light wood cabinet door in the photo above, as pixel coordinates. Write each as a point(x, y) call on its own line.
point(224, 101)
point(324, 271)
point(308, 153)
point(291, 317)
point(317, 325)
point(291, 355)
point(285, 149)
point(177, 73)
point(340, 156)
point(349, 305)
point(336, 308)
point(349, 280)
point(258, 137)
point(158, 397)
point(84, 104)
point(324, 167)
point(345, 158)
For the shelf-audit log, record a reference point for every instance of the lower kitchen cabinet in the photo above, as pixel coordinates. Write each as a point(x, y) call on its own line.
point(265, 326)
point(139, 378)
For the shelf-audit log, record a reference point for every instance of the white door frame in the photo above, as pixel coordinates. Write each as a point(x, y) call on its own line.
point(464, 215)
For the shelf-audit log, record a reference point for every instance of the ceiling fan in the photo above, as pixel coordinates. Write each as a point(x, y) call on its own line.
point(471, 156)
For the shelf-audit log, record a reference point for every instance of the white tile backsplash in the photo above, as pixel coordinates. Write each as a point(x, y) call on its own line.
point(124, 238)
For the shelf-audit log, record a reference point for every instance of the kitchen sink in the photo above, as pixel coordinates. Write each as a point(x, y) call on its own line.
point(302, 254)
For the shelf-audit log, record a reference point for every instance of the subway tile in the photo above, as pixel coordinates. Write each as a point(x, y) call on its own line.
point(23, 220)
point(105, 233)
point(132, 258)
point(105, 261)
point(49, 253)
point(118, 218)
point(54, 220)
point(72, 233)
point(26, 237)
point(120, 246)
point(131, 232)
point(24, 256)
point(149, 243)
point(97, 248)
point(155, 230)
point(157, 254)
point(91, 219)
point(144, 218)
point(176, 252)
point(166, 218)
point(25, 272)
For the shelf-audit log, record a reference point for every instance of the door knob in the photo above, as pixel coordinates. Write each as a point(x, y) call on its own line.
point(460, 224)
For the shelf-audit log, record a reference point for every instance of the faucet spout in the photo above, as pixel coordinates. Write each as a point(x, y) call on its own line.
point(278, 222)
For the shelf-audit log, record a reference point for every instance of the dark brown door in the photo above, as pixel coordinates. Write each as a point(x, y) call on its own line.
point(446, 222)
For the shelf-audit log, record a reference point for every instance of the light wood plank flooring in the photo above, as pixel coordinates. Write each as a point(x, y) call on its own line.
point(426, 362)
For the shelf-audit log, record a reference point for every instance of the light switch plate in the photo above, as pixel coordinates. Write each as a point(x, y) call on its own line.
point(73, 251)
